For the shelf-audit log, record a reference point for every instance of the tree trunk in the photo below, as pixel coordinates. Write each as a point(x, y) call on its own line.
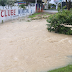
point(66, 4)
point(69, 5)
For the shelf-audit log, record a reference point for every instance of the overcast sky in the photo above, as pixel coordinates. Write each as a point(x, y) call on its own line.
point(52, 1)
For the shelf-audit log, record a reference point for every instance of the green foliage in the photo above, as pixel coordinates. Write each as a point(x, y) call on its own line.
point(34, 15)
point(58, 9)
point(64, 7)
point(51, 6)
point(10, 3)
point(59, 21)
point(7, 2)
point(2, 21)
point(22, 6)
point(64, 69)
point(59, 5)
point(3, 2)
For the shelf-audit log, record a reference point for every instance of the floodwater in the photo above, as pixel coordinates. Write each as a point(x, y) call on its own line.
point(29, 47)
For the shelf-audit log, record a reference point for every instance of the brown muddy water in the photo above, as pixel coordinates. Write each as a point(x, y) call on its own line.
point(29, 47)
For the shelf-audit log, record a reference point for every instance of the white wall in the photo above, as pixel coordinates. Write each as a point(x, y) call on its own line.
point(15, 12)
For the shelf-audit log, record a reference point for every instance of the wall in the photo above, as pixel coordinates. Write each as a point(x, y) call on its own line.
point(15, 12)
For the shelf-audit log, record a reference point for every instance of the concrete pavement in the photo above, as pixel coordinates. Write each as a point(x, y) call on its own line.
point(50, 11)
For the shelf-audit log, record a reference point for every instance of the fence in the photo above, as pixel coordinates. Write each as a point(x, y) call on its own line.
point(8, 13)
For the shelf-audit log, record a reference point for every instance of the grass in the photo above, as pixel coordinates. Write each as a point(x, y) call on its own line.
point(2, 21)
point(37, 14)
point(46, 14)
point(63, 69)
point(34, 15)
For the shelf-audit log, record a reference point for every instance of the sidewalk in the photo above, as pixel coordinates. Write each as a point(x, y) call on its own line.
point(50, 11)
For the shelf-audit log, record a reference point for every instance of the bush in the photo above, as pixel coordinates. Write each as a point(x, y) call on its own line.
point(22, 6)
point(59, 21)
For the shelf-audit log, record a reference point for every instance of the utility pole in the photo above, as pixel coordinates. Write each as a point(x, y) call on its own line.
point(36, 1)
point(47, 4)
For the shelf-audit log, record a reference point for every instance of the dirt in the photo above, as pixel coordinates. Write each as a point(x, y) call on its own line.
point(29, 47)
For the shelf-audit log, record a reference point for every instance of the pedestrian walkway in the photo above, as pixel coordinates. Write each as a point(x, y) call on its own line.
point(50, 11)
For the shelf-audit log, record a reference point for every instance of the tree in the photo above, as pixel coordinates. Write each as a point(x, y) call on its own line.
point(3, 2)
point(68, 4)
point(22, 6)
point(59, 21)
point(59, 5)
point(7, 2)
point(10, 3)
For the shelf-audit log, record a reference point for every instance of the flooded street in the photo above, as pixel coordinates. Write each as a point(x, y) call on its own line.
point(29, 47)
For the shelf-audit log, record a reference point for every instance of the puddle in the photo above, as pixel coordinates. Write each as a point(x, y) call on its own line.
point(29, 47)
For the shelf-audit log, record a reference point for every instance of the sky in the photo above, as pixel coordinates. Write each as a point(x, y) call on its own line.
point(52, 1)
